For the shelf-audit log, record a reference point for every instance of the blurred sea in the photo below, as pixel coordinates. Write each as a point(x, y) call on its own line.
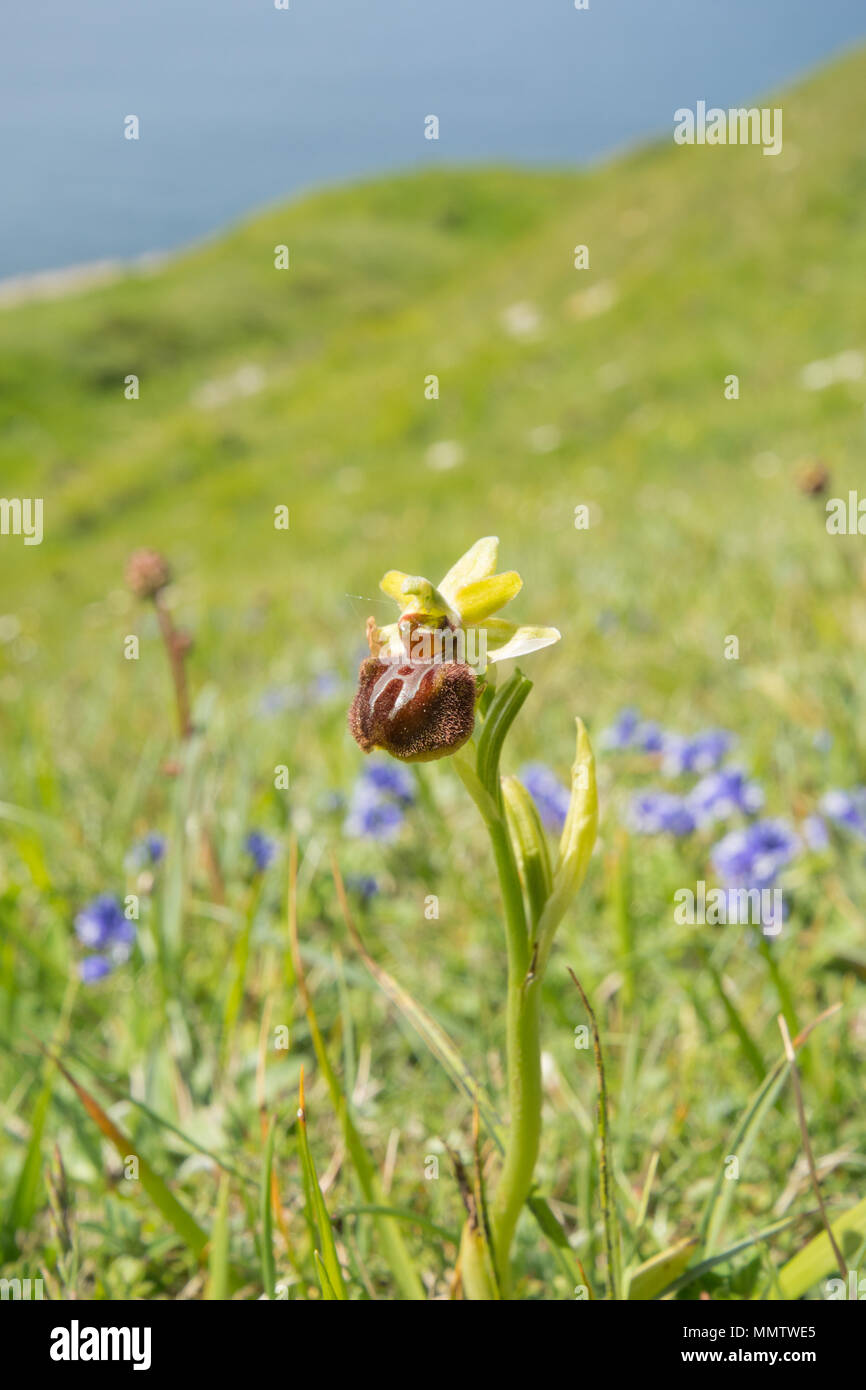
point(241, 104)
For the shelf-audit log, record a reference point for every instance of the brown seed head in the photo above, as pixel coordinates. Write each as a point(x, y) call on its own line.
point(147, 572)
point(813, 477)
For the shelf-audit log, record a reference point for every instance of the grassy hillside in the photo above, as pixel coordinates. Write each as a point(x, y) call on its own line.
point(557, 387)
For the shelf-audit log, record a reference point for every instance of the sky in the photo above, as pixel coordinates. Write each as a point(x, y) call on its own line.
point(241, 104)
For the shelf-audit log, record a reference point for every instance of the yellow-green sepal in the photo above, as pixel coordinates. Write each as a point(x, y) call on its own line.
point(576, 844)
point(530, 845)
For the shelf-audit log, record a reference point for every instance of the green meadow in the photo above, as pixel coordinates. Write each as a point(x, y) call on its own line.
point(606, 389)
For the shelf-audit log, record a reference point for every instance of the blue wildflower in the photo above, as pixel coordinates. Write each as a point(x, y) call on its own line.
point(378, 801)
point(102, 927)
point(364, 885)
point(752, 857)
point(650, 737)
point(548, 793)
point(719, 794)
point(261, 849)
point(372, 816)
point(658, 812)
point(847, 809)
point(815, 833)
point(150, 850)
point(102, 924)
point(698, 753)
point(155, 845)
point(390, 779)
point(629, 731)
point(93, 968)
point(621, 732)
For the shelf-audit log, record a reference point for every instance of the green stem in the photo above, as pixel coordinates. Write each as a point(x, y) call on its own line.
point(523, 1050)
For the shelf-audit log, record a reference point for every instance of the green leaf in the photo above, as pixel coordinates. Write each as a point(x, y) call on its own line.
point(692, 1273)
point(740, 1146)
point(327, 1260)
point(608, 1203)
point(816, 1260)
point(23, 1201)
point(175, 1214)
point(556, 1236)
point(328, 1292)
point(433, 1034)
point(218, 1256)
point(654, 1275)
point(575, 846)
point(504, 709)
point(746, 1133)
point(448, 1054)
point(266, 1214)
point(530, 845)
point(394, 1247)
point(235, 995)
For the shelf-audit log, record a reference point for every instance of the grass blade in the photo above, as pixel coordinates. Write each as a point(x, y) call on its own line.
point(652, 1277)
point(218, 1255)
point(608, 1208)
point(327, 1260)
point(394, 1247)
point(745, 1135)
point(817, 1259)
point(266, 1214)
point(175, 1214)
point(438, 1041)
point(447, 1053)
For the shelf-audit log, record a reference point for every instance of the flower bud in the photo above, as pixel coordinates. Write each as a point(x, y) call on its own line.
point(813, 478)
point(147, 572)
point(416, 711)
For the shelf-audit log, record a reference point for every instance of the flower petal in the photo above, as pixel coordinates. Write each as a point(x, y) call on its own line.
point(476, 601)
point(392, 584)
point(479, 562)
point(414, 592)
point(390, 642)
point(421, 597)
point(522, 641)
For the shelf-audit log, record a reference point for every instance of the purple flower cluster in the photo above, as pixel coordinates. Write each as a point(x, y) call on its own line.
point(364, 885)
point(753, 856)
point(698, 753)
point(715, 797)
point(148, 852)
point(548, 793)
point(679, 753)
point(102, 928)
point(261, 850)
point(815, 833)
point(629, 731)
point(847, 809)
point(660, 812)
point(377, 805)
point(720, 794)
